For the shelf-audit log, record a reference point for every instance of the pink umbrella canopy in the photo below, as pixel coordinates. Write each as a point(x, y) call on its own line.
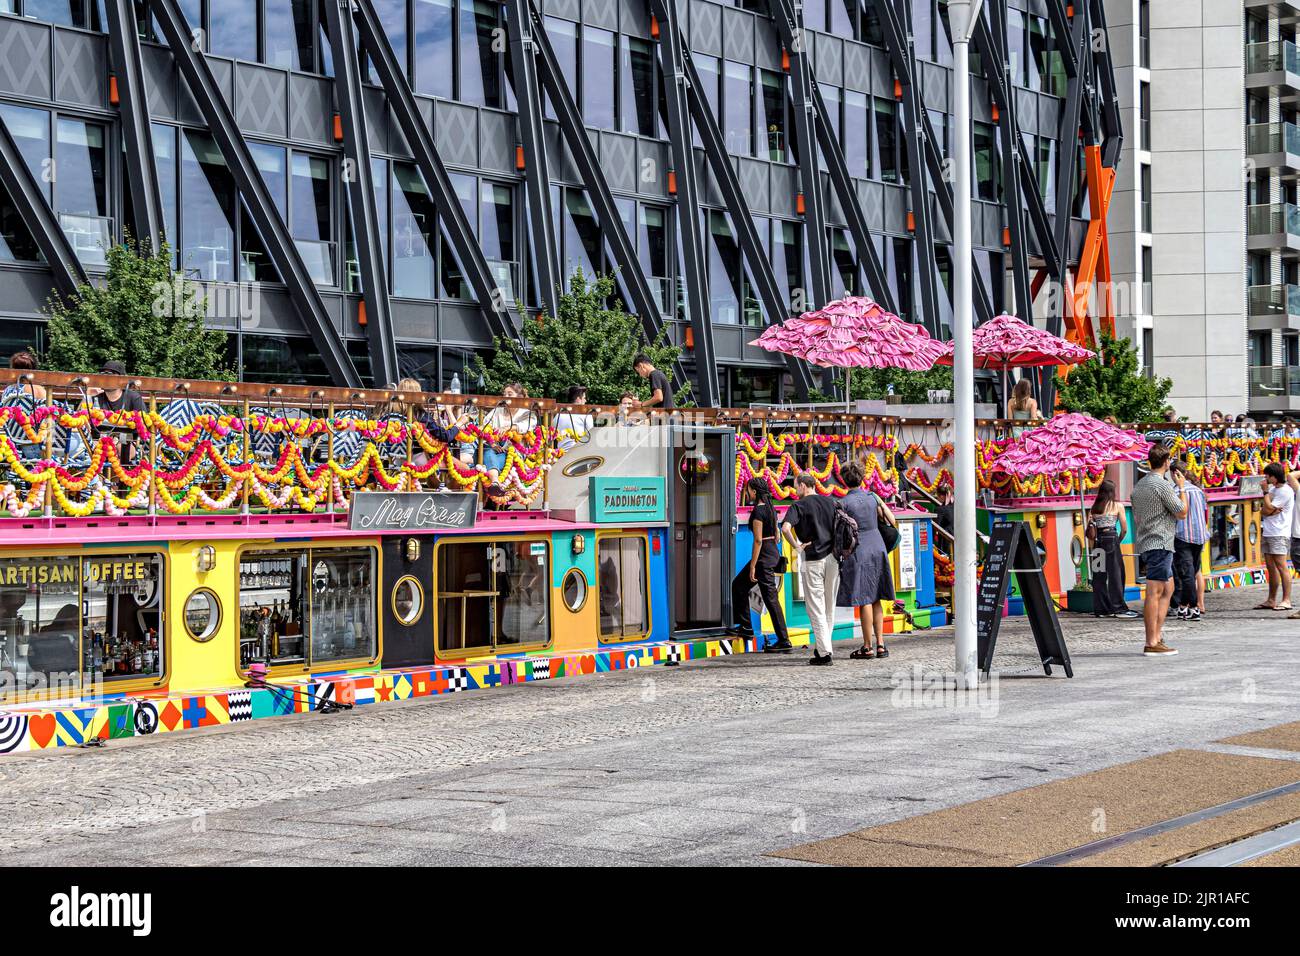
point(853, 332)
point(1007, 342)
point(1070, 443)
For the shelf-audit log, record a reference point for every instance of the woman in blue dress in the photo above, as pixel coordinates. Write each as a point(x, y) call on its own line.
point(865, 578)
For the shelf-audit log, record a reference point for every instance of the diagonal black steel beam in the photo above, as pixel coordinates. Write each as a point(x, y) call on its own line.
point(1067, 180)
point(147, 216)
point(452, 221)
point(28, 196)
point(630, 274)
point(898, 31)
point(694, 262)
point(537, 177)
point(360, 187)
point(993, 62)
point(1009, 153)
point(733, 197)
point(257, 199)
point(790, 30)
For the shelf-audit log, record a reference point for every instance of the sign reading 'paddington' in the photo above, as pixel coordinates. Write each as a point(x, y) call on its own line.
point(412, 510)
point(615, 500)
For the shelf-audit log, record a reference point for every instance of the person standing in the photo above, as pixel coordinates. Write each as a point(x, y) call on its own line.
point(761, 570)
point(1190, 534)
point(1106, 529)
point(810, 527)
point(1278, 505)
point(866, 580)
point(661, 390)
point(1157, 506)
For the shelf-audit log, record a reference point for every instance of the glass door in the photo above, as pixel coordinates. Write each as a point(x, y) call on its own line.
point(702, 512)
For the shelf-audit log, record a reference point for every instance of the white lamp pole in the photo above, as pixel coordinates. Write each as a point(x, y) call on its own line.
point(963, 15)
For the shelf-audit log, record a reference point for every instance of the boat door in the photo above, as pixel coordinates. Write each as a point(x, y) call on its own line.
point(702, 511)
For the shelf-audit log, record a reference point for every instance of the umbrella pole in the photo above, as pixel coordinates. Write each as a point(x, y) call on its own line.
point(848, 390)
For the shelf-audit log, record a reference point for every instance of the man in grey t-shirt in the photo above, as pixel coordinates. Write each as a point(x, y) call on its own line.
point(1157, 506)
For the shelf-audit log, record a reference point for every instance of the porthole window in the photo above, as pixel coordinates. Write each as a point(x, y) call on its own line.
point(408, 600)
point(202, 615)
point(574, 590)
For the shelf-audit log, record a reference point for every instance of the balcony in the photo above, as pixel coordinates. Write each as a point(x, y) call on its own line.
point(1273, 307)
point(1274, 146)
point(1275, 67)
point(1284, 11)
point(1273, 227)
point(1274, 388)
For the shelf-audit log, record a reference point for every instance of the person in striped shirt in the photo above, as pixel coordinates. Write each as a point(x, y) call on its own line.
point(1190, 534)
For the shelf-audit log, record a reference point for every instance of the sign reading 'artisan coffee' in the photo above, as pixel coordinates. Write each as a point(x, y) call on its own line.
point(628, 499)
point(412, 510)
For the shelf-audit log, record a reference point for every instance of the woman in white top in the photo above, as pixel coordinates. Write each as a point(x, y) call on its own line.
point(500, 421)
point(1023, 407)
point(572, 427)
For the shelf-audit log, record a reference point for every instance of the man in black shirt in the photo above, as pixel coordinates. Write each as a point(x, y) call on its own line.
point(119, 400)
point(809, 526)
point(661, 390)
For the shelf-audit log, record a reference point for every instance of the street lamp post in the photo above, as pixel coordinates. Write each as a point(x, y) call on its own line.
point(963, 14)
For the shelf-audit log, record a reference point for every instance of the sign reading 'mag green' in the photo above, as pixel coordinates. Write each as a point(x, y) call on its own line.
point(615, 500)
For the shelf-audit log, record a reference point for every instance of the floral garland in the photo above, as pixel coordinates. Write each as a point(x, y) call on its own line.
point(752, 461)
point(211, 473)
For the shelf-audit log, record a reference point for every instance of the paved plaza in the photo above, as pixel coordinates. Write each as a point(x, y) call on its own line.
point(724, 761)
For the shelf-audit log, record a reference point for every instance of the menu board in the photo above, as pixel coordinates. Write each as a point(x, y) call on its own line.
point(1011, 550)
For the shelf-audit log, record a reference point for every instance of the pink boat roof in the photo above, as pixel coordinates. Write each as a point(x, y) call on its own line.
point(105, 530)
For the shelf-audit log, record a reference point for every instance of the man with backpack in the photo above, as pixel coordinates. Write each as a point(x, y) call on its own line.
point(809, 526)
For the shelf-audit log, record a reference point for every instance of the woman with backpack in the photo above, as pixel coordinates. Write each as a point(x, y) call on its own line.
point(761, 571)
point(865, 578)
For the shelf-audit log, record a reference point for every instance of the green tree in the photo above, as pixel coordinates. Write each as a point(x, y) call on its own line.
point(914, 387)
point(587, 344)
point(145, 315)
point(1113, 383)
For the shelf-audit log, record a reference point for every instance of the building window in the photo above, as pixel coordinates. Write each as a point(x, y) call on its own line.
point(280, 359)
point(1144, 33)
point(598, 66)
point(885, 144)
point(69, 624)
point(307, 607)
point(622, 579)
point(857, 134)
point(986, 162)
point(451, 275)
point(1144, 114)
point(290, 28)
point(709, 69)
point(582, 241)
point(433, 48)
point(563, 36)
point(67, 13)
point(413, 234)
point(738, 104)
point(725, 269)
point(772, 116)
point(73, 177)
point(787, 258)
point(497, 236)
point(232, 29)
point(480, 58)
point(492, 594)
point(653, 248)
point(638, 112)
point(1146, 197)
point(311, 215)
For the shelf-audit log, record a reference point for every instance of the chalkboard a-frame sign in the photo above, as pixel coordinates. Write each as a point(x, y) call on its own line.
point(1011, 551)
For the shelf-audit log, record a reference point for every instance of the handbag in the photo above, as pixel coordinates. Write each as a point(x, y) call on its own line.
point(887, 531)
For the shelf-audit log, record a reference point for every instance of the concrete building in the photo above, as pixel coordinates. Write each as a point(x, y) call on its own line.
point(368, 190)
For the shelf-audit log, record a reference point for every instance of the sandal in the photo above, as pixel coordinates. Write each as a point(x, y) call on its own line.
point(882, 652)
point(1283, 607)
point(863, 653)
point(1263, 606)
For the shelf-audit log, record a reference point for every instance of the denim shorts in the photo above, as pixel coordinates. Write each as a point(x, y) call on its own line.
point(1159, 564)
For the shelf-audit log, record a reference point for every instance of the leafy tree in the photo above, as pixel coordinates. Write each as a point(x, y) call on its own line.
point(1113, 383)
point(146, 315)
point(874, 383)
point(587, 344)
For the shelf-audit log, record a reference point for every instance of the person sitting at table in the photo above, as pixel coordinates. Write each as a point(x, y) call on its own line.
point(1023, 407)
point(116, 399)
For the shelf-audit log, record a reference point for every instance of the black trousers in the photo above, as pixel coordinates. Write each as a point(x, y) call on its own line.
point(740, 588)
point(1187, 561)
point(1108, 585)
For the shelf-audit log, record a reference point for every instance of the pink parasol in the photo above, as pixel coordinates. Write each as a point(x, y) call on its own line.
point(1071, 443)
point(1006, 342)
point(853, 332)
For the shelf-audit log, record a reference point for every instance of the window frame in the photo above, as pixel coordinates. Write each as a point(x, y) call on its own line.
point(436, 597)
point(126, 685)
point(644, 538)
point(377, 565)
